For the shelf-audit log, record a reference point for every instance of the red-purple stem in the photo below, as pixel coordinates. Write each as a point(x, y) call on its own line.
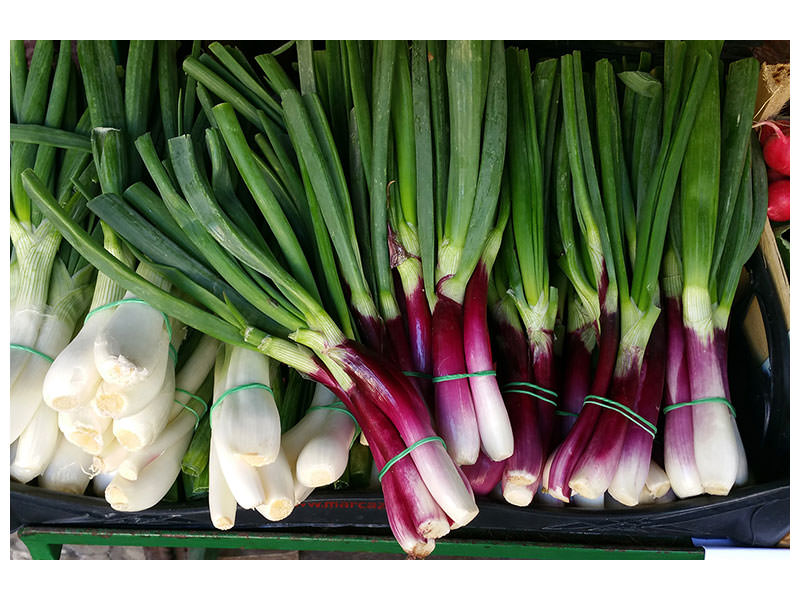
point(484, 475)
point(544, 375)
point(455, 413)
point(569, 451)
point(678, 428)
point(577, 377)
point(418, 315)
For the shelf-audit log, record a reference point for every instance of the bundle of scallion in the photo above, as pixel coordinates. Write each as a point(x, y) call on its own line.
point(718, 222)
point(469, 409)
point(598, 449)
point(247, 463)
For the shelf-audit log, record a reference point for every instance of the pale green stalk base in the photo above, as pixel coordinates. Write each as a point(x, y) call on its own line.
point(69, 470)
point(243, 480)
point(221, 502)
point(540, 318)
point(447, 266)
point(35, 445)
point(152, 485)
point(279, 489)
point(35, 254)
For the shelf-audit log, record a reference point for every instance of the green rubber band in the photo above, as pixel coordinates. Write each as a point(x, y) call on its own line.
point(416, 374)
point(173, 354)
point(719, 399)
point(624, 411)
point(531, 385)
point(462, 376)
point(32, 351)
point(404, 453)
point(129, 301)
point(191, 410)
point(238, 388)
point(202, 401)
point(509, 388)
point(566, 413)
point(339, 406)
point(534, 394)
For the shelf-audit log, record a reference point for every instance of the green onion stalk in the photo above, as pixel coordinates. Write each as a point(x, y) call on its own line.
point(476, 101)
point(411, 204)
point(195, 461)
point(511, 349)
point(389, 81)
point(50, 283)
point(609, 453)
point(722, 212)
point(742, 246)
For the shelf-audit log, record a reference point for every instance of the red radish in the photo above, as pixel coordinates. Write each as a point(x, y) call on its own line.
point(778, 203)
point(776, 149)
point(767, 132)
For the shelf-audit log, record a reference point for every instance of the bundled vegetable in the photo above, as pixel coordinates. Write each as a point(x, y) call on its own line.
point(723, 202)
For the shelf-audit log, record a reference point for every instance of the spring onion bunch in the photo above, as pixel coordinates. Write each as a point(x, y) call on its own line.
point(640, 214)
point(246, 438)
point(720, 215)
point(589, 265)
point(476, 105)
